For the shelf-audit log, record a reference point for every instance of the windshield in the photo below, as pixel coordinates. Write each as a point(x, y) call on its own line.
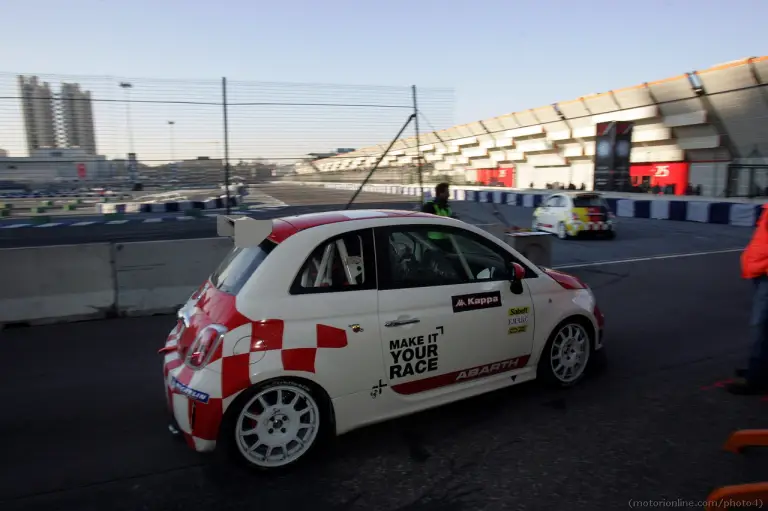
point(239, 265)
point(588, 201)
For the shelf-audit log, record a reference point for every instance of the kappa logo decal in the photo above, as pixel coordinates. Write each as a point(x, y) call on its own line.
point(462, 303)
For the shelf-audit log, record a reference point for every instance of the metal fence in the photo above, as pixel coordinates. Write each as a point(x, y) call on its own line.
point(73, 131)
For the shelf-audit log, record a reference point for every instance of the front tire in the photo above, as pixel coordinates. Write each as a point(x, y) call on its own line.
point(566, 356)
point(562, 231)
point(275, 425)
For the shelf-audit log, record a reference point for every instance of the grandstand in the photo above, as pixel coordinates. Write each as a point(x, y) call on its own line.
point(706, 128)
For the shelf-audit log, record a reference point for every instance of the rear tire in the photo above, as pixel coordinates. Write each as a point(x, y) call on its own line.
point(277, 436)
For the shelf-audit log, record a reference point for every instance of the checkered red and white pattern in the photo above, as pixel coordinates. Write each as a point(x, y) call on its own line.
point(272, 343)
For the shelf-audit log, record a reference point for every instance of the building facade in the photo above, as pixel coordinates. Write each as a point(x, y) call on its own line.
point(37, 107)
point(706, 128)
point(77, 118)
point(55, 165)
point(56, 120)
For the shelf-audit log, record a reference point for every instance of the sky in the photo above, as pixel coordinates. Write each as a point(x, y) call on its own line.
point(469, 60)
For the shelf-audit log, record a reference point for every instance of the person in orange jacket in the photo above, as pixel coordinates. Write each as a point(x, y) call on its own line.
point(754, 266)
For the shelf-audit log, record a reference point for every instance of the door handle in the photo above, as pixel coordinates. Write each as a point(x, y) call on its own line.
point(401, 322)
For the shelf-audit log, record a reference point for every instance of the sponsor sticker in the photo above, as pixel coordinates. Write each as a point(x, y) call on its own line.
point(463, 303)
point(518, 320)
point(414, 355)
point(191, 393)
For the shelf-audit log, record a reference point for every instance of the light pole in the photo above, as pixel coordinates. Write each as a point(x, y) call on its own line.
point(130, 157)
point(173, 157)
point(170, 134)
point(126, 86)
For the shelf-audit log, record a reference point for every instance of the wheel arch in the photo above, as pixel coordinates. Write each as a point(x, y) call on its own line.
point(324, 400)
point(581, 318)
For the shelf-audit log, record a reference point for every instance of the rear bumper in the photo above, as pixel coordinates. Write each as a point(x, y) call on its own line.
point(194, 405)
point(591, 227)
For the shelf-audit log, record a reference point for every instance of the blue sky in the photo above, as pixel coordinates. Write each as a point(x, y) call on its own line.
point(498, 56)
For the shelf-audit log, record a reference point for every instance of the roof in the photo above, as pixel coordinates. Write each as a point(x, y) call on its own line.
point(283, 228)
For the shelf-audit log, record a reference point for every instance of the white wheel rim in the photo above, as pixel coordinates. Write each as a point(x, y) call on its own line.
point(561, 231)
point(570, 353)
point(277, 426)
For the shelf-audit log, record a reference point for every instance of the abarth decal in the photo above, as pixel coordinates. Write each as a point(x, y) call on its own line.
point(472, 373)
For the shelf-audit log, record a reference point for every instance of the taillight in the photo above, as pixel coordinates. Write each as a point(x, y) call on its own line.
point(205, 345)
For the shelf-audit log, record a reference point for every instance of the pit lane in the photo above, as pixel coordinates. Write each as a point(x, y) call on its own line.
point(84, 421)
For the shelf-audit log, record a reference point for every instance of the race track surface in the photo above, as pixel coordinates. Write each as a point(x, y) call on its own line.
point(84, 417)
point(86, 227)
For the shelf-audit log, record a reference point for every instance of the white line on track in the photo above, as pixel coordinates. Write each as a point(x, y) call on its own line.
point(644, 259)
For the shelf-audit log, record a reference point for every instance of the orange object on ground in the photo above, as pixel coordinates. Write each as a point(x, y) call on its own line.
point(754, 259)
point(737, 496)
point(746, 438)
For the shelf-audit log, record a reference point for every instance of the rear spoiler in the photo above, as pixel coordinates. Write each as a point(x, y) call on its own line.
point(244, 231)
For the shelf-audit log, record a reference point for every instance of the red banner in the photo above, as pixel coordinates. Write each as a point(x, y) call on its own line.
point(662, 175)
point(503, 176)
point(81, 172)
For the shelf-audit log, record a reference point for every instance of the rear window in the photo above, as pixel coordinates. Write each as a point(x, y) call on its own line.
point(239, 265)
point(588, 201)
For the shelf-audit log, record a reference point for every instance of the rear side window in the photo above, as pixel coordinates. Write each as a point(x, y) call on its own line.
point(588, 201)
point(239, 265)
point(341, 263)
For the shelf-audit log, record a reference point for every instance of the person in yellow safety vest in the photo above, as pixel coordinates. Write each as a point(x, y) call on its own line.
point(439, 206)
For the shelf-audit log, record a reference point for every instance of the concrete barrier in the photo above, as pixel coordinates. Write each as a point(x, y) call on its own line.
point(48, 284)
point(159, 276)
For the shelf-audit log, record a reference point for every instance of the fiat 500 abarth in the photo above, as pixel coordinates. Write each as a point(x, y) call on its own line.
point(570, 214)
point(322, 323)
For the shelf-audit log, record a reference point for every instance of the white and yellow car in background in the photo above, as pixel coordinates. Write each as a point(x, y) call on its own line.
point(569, 214)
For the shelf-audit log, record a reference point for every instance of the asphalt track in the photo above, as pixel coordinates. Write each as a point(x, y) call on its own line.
point(84, 419)
point(299, 200)
point(637, 237)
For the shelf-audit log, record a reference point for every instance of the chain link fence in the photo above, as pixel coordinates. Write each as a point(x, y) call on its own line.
point(67, 132)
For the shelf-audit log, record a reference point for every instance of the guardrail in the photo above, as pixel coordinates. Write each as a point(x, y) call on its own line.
point(62, 283)
point(658, 207)
point(101, 280)
point(166, 206)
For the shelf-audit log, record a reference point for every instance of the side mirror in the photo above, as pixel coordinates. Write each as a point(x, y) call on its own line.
point(517, 274)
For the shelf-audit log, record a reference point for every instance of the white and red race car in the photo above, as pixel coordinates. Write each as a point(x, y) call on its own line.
point(323, 323)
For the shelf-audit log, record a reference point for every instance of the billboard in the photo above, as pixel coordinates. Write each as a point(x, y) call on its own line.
point(613, 146)
point(502, 176)
point(670, 177)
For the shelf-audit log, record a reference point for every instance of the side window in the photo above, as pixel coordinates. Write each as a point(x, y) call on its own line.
point(553, 202)
point(342, 263)
point(421, 256)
